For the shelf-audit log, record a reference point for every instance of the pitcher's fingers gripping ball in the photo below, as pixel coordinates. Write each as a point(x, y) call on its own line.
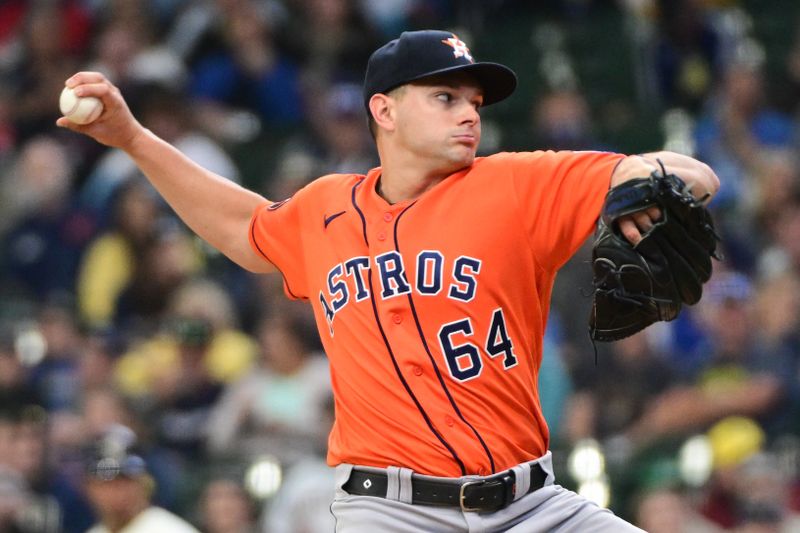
point(637, 285)
point(80, 110)
point(93, 106)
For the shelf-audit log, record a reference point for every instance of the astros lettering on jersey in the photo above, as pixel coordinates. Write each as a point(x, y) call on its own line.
point(431, 311)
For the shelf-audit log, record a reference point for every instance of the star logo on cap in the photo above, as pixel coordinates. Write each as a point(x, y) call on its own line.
point(459, 47)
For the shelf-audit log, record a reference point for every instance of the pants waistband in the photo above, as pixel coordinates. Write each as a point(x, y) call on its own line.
point(472, 493)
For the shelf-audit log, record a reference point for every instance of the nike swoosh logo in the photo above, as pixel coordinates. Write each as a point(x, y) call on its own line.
point(330, 219)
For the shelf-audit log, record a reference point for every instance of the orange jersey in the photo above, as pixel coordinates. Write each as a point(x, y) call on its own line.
point(432, 311)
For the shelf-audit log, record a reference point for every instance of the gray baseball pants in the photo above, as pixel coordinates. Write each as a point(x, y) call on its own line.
point(549, 509)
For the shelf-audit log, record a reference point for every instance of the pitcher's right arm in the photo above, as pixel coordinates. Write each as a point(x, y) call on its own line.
point(215, 208)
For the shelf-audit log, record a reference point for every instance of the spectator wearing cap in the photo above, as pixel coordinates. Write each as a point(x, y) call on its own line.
point(336, 141)
point(345, 142)
point(737, 376)
point(348, 141)
point(120, 489)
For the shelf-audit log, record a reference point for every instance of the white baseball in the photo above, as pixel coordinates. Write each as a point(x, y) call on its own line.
point(80, 110)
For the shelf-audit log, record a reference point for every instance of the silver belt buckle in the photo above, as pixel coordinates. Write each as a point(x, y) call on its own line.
point(461, 495)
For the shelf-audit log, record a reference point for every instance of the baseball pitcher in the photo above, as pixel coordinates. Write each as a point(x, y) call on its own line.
point(430, 279)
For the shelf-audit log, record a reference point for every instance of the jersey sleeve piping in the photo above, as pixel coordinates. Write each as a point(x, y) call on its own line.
point(262, 253)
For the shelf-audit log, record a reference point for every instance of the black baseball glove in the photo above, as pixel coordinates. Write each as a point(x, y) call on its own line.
point(635, 286)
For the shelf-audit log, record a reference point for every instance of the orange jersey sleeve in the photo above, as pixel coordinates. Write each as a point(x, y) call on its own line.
point(560, 195)
point(275, 235)
point(281, 232)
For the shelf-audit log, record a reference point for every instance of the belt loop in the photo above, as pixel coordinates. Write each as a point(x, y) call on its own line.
point(393, 485)
point(522, 476)
point(546, 462)
point(342, 474)
point(406, 490)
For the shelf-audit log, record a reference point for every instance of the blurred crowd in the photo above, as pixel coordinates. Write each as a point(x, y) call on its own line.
point(113, 315)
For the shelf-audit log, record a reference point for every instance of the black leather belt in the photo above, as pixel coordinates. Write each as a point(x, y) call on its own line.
point(482, 494)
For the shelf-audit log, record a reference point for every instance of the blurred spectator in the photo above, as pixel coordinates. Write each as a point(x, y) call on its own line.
point(201, 317)
point(667, 510)
point(561, 121)
point(128, 50)
point(778, 311)
point(16, 394)
point(749, 487)
point(118, 44)
point(738, 375)
point(296, 167)
point(304, 498)
point(555, 383)
point(733, 441)
point(46, 234)
point(789, 87)
point(778, 337)
point(225, 507)
point(783, 252)
point(120, 488)
point(164, 110)
point(178, 375)
point(28, 446)
point(346, 145)
point(332, 39)
point(25, 505)
point(241, 67)
point(729, 373)
point(573, 283)
point(40, 169)
point(15, 501)
point(197, 21)
point(687, 53)
point(615, 397)
point(278, 407)
point(51, 37)
point(96, 365)
point(391, 17)
point(8, 134)
point(11, 19)
point(643, 404)
point(55, 376)
point(167, 261)
point(762, 492)
point(751, 144)
point(113, 257)
point(777, 188)
point(737, 127)
point(69, 433)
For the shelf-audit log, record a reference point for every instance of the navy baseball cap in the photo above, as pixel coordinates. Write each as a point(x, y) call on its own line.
point(419, 54)
point(114, 455)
